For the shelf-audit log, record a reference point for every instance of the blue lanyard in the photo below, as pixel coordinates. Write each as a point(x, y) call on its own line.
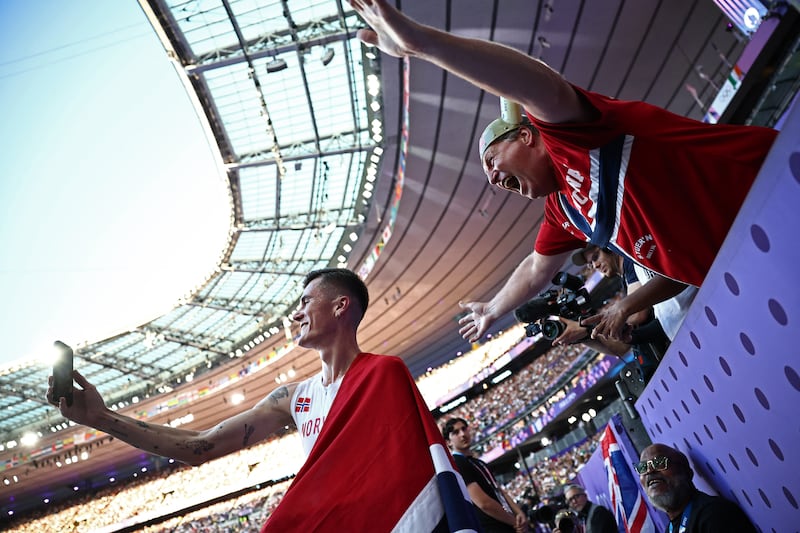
point(684, 519)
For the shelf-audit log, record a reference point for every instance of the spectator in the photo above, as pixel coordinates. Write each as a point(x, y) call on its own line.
point(666, 476)
point(669, 189)
point(642, 332)
point(498, 513)
point(670, 313)
point(596, 518)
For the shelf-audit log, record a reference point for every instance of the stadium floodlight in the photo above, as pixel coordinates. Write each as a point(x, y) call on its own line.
point(327, 57)
point(276, 65)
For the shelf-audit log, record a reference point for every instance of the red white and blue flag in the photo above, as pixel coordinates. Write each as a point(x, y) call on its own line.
point(628, 502)
point(380, 463)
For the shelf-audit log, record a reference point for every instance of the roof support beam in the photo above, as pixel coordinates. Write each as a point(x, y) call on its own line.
point(282, 42)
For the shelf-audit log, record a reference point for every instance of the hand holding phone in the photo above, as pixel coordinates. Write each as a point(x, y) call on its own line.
point(62, 373)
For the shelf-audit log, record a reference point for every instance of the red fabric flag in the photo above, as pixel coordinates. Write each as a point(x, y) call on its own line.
point(379, 463)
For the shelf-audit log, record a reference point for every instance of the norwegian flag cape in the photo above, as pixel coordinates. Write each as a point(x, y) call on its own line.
point(379, 464)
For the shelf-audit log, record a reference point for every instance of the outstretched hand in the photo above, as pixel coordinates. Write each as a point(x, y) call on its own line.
point(477, 321)
point(86, 401)
point(392, 32)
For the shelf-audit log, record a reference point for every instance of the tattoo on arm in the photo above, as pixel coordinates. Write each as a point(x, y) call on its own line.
point(199, 447)
point(118, 431)
point(278, 394)
point(248, 432)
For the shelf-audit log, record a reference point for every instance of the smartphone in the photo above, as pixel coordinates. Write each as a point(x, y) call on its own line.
point(62, 373)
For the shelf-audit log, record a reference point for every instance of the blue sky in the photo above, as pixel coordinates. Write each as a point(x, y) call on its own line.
point(111, 205)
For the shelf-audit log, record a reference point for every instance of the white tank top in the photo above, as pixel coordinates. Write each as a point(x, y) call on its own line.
point(310, 405)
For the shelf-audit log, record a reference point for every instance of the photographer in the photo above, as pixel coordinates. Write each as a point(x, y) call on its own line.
point(570, 323)
point(554, 515)
point(597, 519)
point(670, 299)
point(648, 333)
point(557, 314)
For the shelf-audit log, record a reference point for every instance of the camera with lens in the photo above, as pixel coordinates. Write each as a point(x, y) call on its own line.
point(543, 514)
point(573, 302)
point(556, 514)
point(568, 522)
point(550, 328)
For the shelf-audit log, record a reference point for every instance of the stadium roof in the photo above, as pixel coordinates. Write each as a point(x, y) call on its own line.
point(307, 146)
point(291, 99)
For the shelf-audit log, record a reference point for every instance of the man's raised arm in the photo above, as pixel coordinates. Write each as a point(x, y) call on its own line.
point(533, 275)
point(184, 445)
point(496, 68)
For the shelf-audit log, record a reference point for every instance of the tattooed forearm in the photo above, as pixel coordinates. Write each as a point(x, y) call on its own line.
point(278, 394)
point(248, 432)
point(198, 447)
point(117, 429)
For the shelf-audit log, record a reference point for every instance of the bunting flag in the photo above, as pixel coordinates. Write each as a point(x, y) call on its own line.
point(380, 463)
point(628, 502)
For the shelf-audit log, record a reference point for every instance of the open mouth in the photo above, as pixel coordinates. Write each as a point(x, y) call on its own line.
point(511, 183)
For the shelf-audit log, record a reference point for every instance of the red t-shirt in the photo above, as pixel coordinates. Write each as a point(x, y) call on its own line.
point(680, 185)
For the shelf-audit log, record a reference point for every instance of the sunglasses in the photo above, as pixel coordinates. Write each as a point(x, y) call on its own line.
point(656, 463)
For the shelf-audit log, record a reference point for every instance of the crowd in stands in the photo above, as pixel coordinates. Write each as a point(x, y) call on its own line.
point(161, 494)
point(513, 397)
point(551, 474)
point(158, 494)
point(245, 514)
point(469, 368)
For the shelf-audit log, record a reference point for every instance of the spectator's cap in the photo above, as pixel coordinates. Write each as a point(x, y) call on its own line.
point(511, 118)
point(579, 257)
